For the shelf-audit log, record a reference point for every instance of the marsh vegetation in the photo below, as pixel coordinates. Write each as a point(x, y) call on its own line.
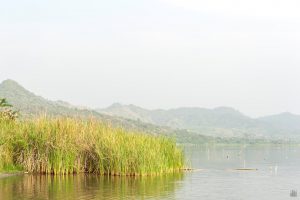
point(67, 145)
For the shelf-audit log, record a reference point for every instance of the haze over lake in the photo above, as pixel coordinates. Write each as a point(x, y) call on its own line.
point(156, 54)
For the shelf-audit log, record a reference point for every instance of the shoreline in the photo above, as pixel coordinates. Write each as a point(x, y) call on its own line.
point(5, 174)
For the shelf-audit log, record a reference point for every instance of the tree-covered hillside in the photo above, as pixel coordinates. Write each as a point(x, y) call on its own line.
point(218, 122)
point(192, 125)
point(30, 105)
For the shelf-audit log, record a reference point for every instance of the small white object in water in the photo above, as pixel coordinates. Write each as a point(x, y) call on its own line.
point(275, 169)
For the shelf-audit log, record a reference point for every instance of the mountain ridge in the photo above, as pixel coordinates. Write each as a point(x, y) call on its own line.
point(31, 105)
point(214, 122)
point(224, 122)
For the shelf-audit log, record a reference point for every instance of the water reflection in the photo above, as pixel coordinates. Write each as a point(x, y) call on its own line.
point(277, 175)
point(87, 187)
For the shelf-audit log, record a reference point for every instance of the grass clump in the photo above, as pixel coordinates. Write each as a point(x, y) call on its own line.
point(66, 145)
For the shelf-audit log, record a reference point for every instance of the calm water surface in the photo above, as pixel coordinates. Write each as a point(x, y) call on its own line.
point(278, 173)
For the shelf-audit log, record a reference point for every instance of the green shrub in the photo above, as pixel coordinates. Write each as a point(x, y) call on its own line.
point(7, 114)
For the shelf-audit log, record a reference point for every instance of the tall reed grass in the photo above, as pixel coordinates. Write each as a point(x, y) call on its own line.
point(65, 145)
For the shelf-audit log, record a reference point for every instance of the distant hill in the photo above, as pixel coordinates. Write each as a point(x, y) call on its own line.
point(128, 111)
point(31, 105)
point(191, 125)
point(282, 123)
point(220, 122)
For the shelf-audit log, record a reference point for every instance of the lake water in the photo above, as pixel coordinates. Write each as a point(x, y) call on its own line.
point(278, 172)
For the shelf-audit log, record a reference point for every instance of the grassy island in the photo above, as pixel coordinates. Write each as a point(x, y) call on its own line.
point(67, 145)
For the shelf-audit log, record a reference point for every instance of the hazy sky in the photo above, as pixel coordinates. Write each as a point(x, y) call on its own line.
point(156, 54)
